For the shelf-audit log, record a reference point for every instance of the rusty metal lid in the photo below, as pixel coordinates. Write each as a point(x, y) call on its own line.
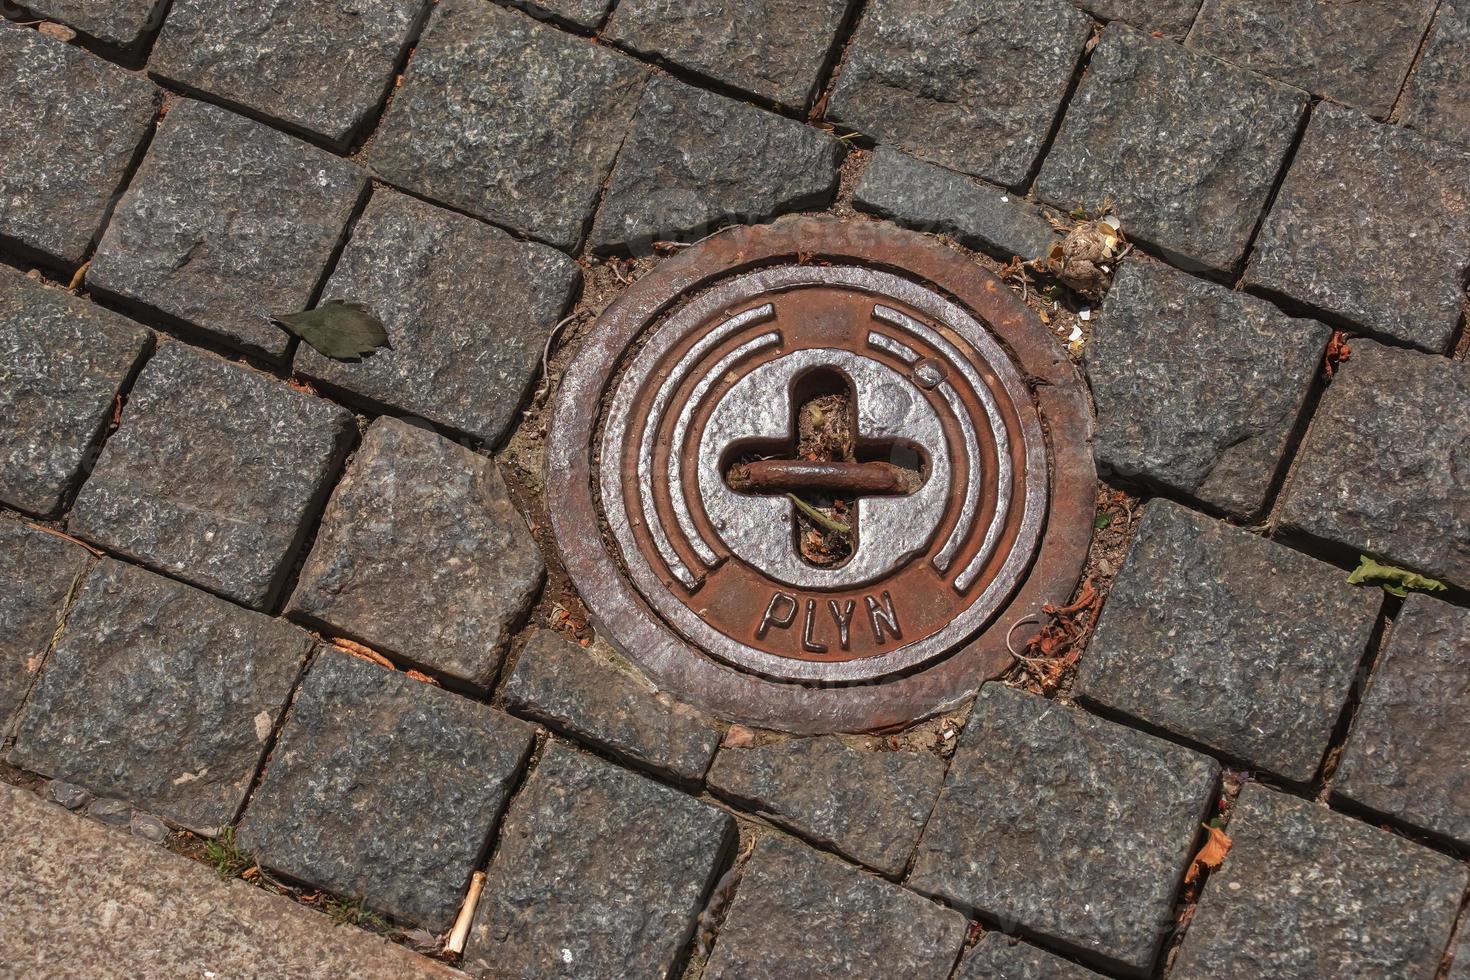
point(807, 475)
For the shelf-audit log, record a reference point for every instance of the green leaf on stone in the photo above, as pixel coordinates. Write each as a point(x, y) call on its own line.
point(1394, 580)
point(338, 329)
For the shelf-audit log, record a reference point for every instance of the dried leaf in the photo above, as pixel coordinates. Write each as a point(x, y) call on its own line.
point(338, 329)
point(1212, 855)
point(58, 31)
point(1394, 580)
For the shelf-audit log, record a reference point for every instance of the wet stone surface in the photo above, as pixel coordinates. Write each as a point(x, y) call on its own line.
point(695, 161)
point(1187, 149)
point(467, 309)
point(323, 66)
point(226, 223)
point(421, 555)
point(1355, 53)
point(869, 806)
point(1288, 903)
point(798, 913)
point(1198, 388)
point(995, 957)
point(1405, 756)
point(598, 873)
point(385, 789)
point(1170, 17)
point(773, 49)
point(212, 474)
point(73, 125)
point(975, 90)
point(160, 695)
point(1197, 609)
point(40, 571)
point(927, 197)
point(583, 695)
point(1437, 102)
point(508, 119)
point(1382, 470)
point(62, 363)
point(1037, 790)
point(119, 23)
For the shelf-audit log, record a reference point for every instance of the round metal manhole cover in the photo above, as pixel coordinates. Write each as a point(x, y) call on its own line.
point(808, 475)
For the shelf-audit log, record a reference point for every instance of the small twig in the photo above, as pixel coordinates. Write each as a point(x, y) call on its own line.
point(460, 934)
point(545, 387)
point(79, 275)
point(67, 537)
point(817, 517)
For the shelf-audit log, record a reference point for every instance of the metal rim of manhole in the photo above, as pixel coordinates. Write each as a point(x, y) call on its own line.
point(808, 475)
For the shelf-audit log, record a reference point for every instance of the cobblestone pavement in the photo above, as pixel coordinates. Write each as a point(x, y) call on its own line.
point(303, 619)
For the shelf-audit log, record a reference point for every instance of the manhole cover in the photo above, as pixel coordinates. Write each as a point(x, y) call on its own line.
point(808, 475)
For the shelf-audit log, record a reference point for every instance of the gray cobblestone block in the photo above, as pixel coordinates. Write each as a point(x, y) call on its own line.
point(422, 555)
point(695, 161)
point(799, 913)
point(1196, 610)
point(323, 66)
point(1460, 965)
point(212, 474)
point(870, 806)
point(1170, 17)
point(1405, 756)
point(1438, 99)
point(1198, 388)
point(775, 49)
point(930, 198)
point(1356, 53)
point(384, 789)
point(467, 309)
point(508, 119)
point(1036, 791)
point(1382, 469)
point(120, 23)
point(582, 13)
point(591, 699)
point(73, 127)
point(997, 958)
point(599, 873)
point(62, 363)
point(40, 571)
point(160, 695)
point(1372, 225)
point(1187, 148)
point(974, 89)
point(226, 223)
point(1308, 893)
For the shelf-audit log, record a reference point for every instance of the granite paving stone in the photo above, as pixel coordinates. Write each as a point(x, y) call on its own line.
point(582, 13)
point(1037, 791)
point(1196, 610)
point(1187, 148)
point(930, 198)
point(996, 957)
point(78, 898)
point(119, 23)
point(1172, 18)
point(40, 571)
point(385, 789)
point(870, 806)
point(323, 66)
point(509, 119)
point(1355, 53)
point(596, 699)
point(226, 223)
point(1383, 468)
point(73, 126)
point(1406, 753)
point(1437, 101)
point(63, 362)
point(421, 555)
point(1460, 964)
point(1198, 388)
point(598, 873)
point(1308, 893)
point(467, 309)
point(695, 161)
point(798, 913)
point(212, 474)
point(160, 695)
point(973, 88)
point(1372, 225)
point(774, 49)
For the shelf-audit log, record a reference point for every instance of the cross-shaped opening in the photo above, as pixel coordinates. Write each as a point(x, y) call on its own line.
point(827, 469)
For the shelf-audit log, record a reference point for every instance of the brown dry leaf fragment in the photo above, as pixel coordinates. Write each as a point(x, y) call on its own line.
point(420, 676)
point(1211, 856)
point(366, 653)
point(305, 387)
point(738, 737)
point(58, 31)
point(1337, 352)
